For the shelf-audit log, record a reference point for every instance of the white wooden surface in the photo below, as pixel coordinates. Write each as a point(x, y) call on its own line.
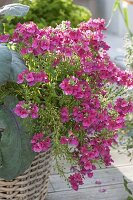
point(111, 182)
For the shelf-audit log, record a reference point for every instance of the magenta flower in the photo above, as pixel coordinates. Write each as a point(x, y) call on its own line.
point(72, 140)
point(29, 77)
point(25, 110)
point(39, 144)
point(20, 111)
point(32, 77)
point(37, 137)
point(98, 182)
point(64, 140)
point(76, 180)
point(64, 115)
point(34, 111)
point(20, 78)
point(4, 38)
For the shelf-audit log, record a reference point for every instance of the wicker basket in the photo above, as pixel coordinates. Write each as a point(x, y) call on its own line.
point(32, 185)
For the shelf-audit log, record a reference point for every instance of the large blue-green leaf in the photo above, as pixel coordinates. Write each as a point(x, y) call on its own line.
point(11, 64)
point(17, 66)
point(15, 9)
point(5, 63)
point(130, 132)
point(15, 149)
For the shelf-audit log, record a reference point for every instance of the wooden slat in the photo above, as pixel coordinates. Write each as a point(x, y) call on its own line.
point(120, 159)
point(108, 176)
point(111, 180)
point(50, 188)
point(113, 192)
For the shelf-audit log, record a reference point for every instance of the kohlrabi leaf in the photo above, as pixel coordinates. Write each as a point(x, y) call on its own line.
point(17, 66)
point(15, 148)
point(130, 132)
point(15, 9)
point(11, 64)
point(5, 63)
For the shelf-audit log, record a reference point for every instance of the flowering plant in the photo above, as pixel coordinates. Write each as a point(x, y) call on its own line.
point(71, 96)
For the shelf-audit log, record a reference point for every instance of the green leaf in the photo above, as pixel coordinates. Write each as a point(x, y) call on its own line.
point(126, 18)
point(1, 28)
point(15, 149)
point(116, 5)
point(15, 9)
point(126, 186)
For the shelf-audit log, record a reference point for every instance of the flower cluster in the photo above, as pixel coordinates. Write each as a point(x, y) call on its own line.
point(25, 110)
point(32, 77)
point(78, 88)
point(93, 150)
point(123, 107)
point(76, 108)
point(72, 140)
point(39, 144)
point(86, 42)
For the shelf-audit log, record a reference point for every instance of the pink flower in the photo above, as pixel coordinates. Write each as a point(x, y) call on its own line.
point(38, 147)
point(34, 111)
point(102, 190)
point(88, 165)
point(39, 144)
point(24, 51)
point(47, 144)
point(20, 111)
point(68, 90)
point(25, 110)
point(64, 115)
point(90, 175)
point(37, 137)
point(72, 140)
point(32, 77)
point(44, 77)
point(98, 182)
point(4, 38)
point(64, 140)
point(76, 180)
point(29, 77)
point(20, 78)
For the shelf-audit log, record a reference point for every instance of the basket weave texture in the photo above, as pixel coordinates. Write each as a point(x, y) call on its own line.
point(32, 185)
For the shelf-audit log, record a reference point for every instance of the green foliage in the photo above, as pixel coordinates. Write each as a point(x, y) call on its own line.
point(9, 11)
point(15, 150)
point(116, 5)
point(129, 198)
point(52, 12)
point(11, 64)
